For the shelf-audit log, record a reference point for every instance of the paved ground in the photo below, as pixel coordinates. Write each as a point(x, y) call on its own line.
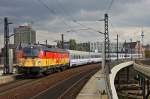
point(94, 88)
point(6, 78)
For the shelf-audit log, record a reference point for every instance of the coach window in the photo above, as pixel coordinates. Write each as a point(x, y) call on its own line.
point(99, 56)
point(72, 57)
point(75, 56)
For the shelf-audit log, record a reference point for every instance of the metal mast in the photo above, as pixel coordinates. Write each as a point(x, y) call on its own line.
point(107, 43)
point(117, 48)
point(6, 46)
point(62, 41)
point(142, 35)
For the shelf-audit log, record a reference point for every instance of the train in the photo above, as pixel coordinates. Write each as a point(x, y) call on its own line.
point(35, 59)
point(40, 59)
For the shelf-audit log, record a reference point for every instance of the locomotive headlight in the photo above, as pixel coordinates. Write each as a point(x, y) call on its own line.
point(39, 62)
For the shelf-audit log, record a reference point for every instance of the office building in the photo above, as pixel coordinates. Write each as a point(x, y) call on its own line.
point(24, 35)
point(99, 46)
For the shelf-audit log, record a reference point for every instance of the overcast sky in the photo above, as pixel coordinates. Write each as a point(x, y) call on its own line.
point(50, 18)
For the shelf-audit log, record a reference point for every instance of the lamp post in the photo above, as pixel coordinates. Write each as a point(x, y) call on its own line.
point(139, 51)
point(46, 42)
point(62, 41)
point(131, 48)
point(125, 49)
point(117, 48)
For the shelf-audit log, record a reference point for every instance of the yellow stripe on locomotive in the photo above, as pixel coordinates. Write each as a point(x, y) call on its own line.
point(29, 62)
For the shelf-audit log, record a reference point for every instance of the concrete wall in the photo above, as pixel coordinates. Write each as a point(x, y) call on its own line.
point(113, 74)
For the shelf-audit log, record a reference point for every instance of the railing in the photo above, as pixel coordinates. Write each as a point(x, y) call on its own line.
point(143, 61)
point(116, 62)
point(114, 72)
point(143, 67)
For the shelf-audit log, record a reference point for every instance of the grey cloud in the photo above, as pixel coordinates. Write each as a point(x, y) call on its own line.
point(61, 13)
point(24, 10)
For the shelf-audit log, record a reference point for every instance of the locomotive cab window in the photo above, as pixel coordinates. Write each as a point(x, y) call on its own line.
point(32, 52)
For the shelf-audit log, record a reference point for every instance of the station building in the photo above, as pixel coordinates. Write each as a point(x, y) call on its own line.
point(98, 47)
point(128, 47)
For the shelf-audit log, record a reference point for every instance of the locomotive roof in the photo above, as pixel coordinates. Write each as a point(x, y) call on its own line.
point(46, 48)
point(55, 50)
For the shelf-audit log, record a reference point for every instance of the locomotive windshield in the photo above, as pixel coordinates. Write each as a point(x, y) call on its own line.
point(32, 52)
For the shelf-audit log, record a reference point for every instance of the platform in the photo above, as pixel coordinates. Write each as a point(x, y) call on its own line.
point(6, 78)
point(95, 88)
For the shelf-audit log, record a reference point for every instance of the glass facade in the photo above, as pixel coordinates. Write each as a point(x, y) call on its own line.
point(24, 35)
point(98, 46)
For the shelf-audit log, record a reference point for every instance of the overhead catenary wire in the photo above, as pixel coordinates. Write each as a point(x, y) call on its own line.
point(63, 9)
point(51, 11)
point(109, 6)
point(113, 27)
point(72, 19)
point(75, 21)
point(88, 28)
point(107, 10)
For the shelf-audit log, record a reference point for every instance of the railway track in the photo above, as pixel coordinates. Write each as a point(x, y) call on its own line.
point(75, 88)
point(67, 88)
point(12, 85)
point(55, 86)
point(21, 80)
